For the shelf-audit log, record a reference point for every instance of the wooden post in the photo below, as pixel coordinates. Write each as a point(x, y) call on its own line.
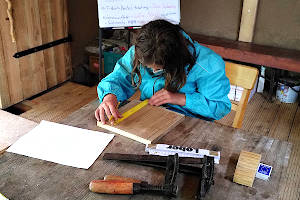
point(248, 20)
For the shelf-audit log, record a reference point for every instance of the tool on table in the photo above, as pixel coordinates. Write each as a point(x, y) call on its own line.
point(132, 111)
point(206, 177)
point(121, 185)
point(166, 149)
point(202, 167)
point(120, 178)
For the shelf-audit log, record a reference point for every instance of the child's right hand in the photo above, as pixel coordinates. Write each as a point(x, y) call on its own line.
point(109, 108)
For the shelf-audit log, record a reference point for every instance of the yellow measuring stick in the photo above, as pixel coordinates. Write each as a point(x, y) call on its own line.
point(132, 111)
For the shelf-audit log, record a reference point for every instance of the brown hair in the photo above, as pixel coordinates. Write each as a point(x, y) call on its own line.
point(162, 43)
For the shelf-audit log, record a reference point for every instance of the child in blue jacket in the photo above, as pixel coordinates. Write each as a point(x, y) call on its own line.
point(169, 69)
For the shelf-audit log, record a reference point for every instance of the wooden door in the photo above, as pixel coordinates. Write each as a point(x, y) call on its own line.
point(35, 22)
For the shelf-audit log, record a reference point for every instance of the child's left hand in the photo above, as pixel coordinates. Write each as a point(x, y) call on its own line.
point(164, 96)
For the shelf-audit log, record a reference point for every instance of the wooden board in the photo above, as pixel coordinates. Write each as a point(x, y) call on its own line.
point(59, 182)
point(12, 127)
point(146, 125)
point(36, 22)
point(248, 20)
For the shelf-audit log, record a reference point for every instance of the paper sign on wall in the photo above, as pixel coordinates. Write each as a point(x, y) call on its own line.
point(130, 13)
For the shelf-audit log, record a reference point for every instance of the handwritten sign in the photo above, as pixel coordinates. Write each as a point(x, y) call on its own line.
point(130, 13)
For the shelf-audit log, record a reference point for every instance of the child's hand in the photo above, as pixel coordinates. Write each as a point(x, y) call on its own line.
point(163, 96)
point(109, 108)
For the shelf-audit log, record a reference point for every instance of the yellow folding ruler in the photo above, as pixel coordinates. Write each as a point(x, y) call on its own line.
point(131, 111)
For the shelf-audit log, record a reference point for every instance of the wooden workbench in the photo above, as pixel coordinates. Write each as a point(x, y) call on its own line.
point(28, 178)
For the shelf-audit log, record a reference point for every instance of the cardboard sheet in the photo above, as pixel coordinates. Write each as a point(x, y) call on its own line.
point(62, 144)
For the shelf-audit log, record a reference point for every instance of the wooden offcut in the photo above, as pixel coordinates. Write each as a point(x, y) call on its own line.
point(248, 20)
point(147, 125)
point(246, 168)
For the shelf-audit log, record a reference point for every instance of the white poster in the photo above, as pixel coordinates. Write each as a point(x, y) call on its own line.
point(135, 13)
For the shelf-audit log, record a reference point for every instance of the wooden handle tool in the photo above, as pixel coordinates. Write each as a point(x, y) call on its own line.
point(121, 185)
point(113, 184)
point(111, 187)
point(121, 178)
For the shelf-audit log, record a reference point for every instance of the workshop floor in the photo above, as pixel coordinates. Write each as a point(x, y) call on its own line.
point(273, 119)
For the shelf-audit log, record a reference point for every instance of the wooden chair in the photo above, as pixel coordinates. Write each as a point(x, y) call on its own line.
point(245, 77)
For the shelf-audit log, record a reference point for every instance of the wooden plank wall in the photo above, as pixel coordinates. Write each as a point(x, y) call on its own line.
point(9, 67)
point(36, 22)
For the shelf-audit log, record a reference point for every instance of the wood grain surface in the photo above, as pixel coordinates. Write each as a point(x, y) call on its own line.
point(248, 20)
point(36, 22)
point(246, 168)
point(59, 103)
point(29, 178)
point(12, 127)
point(145, 125)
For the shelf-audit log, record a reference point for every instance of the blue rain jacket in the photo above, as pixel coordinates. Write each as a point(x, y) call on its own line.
point(206, 87)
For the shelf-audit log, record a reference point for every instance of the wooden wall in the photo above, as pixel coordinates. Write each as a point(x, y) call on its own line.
point(220, 18)
point(36, 22)
point(278, 23)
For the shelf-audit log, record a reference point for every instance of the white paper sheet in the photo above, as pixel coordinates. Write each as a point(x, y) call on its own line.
point(62, 144)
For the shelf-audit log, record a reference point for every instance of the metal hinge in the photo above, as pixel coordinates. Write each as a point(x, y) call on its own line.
point(42, 47)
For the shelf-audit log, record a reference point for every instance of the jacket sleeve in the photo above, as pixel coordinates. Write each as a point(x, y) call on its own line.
point(211, 98)
point(119, 81)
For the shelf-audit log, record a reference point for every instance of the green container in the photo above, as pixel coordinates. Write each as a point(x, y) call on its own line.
point(110, 60)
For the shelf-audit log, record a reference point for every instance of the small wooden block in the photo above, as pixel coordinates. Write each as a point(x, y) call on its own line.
point(246, 168)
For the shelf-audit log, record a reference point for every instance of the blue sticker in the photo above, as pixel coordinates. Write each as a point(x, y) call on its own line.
point(264, 169)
